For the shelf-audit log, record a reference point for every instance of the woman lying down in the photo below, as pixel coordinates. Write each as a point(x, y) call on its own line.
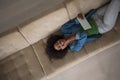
point(83, 29)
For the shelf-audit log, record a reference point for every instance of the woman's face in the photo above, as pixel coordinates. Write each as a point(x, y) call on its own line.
point(60, 44)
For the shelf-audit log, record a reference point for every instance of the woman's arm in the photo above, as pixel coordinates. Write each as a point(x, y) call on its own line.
point(70, 39)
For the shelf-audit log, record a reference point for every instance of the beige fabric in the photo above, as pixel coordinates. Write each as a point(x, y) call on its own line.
point(22, 65)
point(76, 6)
point(54, 67)
point(10, 43)
point(103, 66)
point(45, 25)
point(52, 21)
point(15, 12)
point(29, 64)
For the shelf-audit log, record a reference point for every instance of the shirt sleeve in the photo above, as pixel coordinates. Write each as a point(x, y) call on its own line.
point(70, 27)
point(79, 42)
point(93, 37)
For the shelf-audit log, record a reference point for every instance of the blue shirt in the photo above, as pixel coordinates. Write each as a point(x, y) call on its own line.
point(73, 26)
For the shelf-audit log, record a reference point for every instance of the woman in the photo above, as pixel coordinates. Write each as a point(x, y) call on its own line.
point(74, 36)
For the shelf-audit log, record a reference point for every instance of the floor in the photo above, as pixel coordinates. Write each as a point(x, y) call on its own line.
point(103, 66)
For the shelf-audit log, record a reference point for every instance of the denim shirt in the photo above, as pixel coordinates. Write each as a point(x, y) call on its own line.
point(73, 26)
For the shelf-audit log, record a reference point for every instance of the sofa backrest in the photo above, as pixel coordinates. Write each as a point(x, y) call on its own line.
point(43, 25)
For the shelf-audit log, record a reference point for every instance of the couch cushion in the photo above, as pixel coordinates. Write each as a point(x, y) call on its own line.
point(54, 67)
point(11, 42)
point(22, 65)
point(76, 6)
point(45, 25)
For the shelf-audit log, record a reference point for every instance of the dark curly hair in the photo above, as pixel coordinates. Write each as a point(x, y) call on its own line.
point(51, 52)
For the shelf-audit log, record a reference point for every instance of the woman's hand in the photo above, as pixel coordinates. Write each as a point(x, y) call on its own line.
point(81, 16)
point(60, 44)
point(63, 43)
point(70, 39)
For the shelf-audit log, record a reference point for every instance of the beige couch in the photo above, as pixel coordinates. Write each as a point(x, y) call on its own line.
point(22, 50)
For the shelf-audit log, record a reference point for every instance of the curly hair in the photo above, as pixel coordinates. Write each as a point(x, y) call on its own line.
point(51, 52)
